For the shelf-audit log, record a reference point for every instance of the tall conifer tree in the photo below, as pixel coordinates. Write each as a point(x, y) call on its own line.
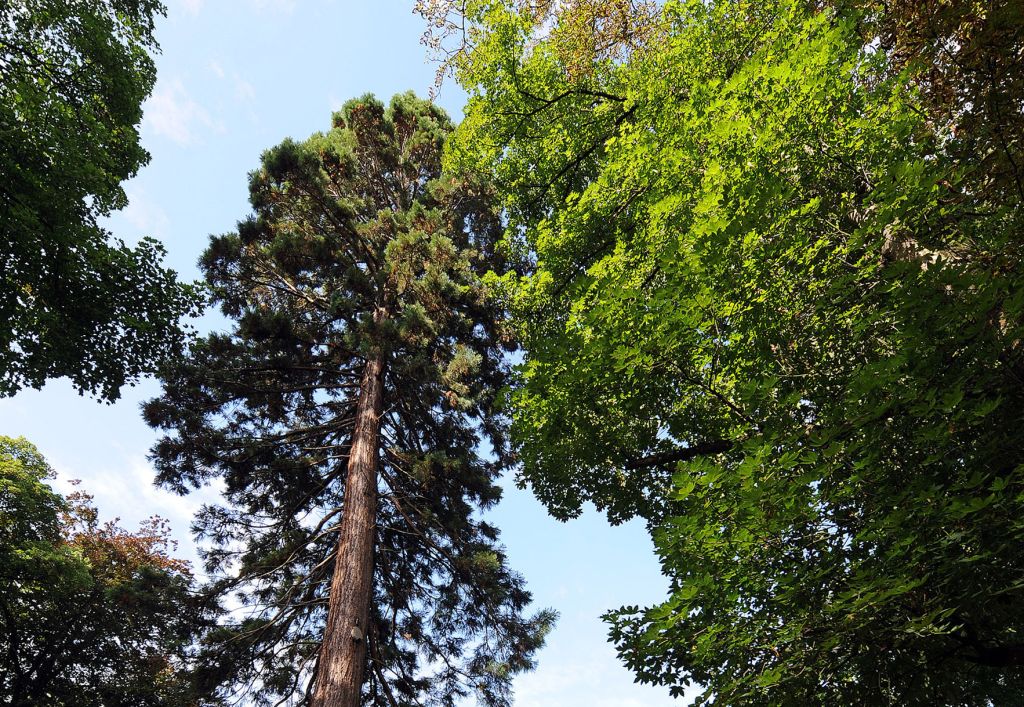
point(345, 412)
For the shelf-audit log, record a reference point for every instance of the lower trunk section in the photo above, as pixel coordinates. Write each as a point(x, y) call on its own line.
point(343, 653)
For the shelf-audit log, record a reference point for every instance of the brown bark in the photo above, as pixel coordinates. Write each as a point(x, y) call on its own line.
point(343, 653)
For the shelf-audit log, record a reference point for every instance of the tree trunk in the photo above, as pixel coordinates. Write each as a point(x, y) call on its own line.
point(343, 653)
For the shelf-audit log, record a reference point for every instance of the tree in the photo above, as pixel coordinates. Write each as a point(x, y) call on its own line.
point(581, 32)
point(90, 614)
point(964, 61)
point(776, 311)
point(344, 412)
point(73, 301)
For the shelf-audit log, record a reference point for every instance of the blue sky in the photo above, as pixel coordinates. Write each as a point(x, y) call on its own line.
point(234, 79)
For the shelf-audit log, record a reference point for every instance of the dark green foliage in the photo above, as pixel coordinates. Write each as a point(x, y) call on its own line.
point(964, 59)
point(90, 615)
point(73, 301)
point(777, 311)
point(357, 245)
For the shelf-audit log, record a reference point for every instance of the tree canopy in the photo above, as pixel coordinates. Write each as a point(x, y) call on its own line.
point(74, 301)
point(775, 310)
point(362, 328)
point(90, 614)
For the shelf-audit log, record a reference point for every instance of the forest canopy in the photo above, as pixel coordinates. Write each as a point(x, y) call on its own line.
point(74, 300)
point(92, 615)
point(747, 273)
point(775, 312)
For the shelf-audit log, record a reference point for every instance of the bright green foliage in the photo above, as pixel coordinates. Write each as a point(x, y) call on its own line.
point(358, 248)
point(73, 301)
point(774, 314)
point(90, 615)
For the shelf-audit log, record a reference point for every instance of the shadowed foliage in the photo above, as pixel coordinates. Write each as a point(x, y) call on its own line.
point(74, 301)
point(90, 614)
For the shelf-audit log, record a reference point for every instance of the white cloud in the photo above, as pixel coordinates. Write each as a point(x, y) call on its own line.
point(579, 666)
point(283, 6)
point(145, 214)
point(172, 113)
point(126, 491)
point(192, 7)
point(244, 89)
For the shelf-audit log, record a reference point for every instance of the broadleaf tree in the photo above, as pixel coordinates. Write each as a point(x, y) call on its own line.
point(74, 300)
point(346, 412)
point(776, 311)
point(91, 615)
